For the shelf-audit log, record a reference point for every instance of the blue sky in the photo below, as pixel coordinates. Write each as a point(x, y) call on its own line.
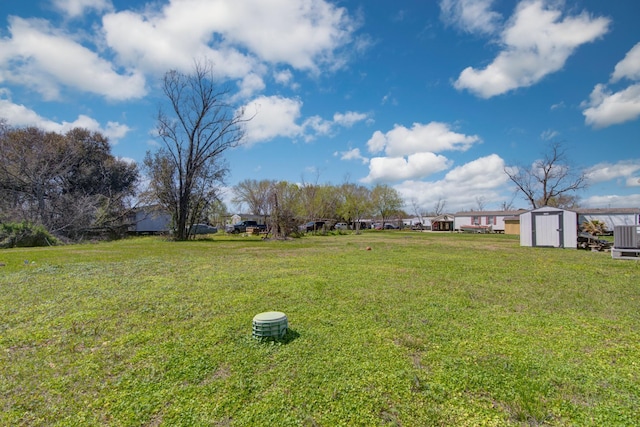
point(434, 98)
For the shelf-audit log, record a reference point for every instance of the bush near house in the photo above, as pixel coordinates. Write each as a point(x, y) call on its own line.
point(595, 227)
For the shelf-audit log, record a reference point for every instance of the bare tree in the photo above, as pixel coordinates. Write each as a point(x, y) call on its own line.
point(438, 208)
point(550, 180)
point(508, 205)
point(254, 194)
point(199, 127)
point(417, 209)
point(284, 199)
point(480, 202)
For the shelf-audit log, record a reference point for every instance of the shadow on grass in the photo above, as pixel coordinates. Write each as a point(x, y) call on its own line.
point(288, 337)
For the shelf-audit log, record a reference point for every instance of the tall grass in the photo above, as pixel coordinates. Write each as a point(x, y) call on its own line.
point(424, 329)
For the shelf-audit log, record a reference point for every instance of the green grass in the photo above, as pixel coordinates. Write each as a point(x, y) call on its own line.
point(424, 329)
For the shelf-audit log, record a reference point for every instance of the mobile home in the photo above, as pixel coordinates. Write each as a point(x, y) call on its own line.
point(489, 221)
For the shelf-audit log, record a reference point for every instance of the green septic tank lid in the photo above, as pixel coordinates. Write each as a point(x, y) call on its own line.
point(270, 316)
point(270, 324)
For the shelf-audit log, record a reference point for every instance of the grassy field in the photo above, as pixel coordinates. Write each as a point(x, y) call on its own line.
point(424, 329)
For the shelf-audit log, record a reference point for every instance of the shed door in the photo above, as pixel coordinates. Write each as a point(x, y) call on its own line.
point(547, 229)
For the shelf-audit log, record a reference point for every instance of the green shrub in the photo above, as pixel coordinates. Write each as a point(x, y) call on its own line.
point(24, 234)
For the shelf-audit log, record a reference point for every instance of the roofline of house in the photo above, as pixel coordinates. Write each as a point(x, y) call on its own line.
point(484, 213)
point(583, 211)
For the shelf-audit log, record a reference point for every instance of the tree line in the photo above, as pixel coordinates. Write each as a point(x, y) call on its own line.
point(73, 186)
point(284, 205)
point(69, 183)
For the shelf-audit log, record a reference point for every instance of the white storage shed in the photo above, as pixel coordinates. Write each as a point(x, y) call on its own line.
point(549, 227)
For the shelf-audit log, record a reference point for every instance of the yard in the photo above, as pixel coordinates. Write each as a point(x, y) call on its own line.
point(423, 329)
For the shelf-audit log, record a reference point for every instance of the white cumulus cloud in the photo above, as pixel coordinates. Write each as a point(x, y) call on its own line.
point(250, 85)
point(462, 186)
point(625, 169)
point(485, 172)
point(349, 118)
point(410, 153)
point(276, 116)
point(432, 137)
point(606, 107)
point(44, 58)
point(271, 117)
point(613, 200)
point(18, 115)
point(629, 67)
point(537, 41)
point(171, 39)
point(284, 77)
point(414, 166)
point(472, 16)
point(243, 39)
point(236, 35)
point(75, 8)
point(353, 154)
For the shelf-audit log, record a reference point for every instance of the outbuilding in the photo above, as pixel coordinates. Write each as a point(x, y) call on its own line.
point(549, 227)
point(512, 224)
point(150, 220)
point(442, 222)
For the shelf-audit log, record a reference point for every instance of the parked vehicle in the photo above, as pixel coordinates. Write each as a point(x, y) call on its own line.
point(241, 227)
point(203, 229)
point(362, 225)
point(341, 226)
point(387, 226)
point(312, 226)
